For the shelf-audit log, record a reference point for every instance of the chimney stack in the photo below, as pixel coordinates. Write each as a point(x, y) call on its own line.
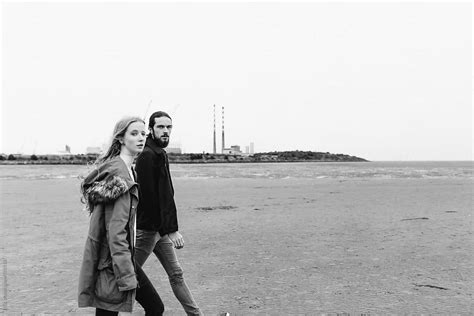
point(223, 138)
point(214, 149)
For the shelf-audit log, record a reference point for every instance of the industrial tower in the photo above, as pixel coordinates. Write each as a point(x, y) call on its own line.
point(223, 139)
point(214, 151)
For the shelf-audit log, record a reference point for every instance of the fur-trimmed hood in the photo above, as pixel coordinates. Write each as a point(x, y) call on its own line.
point(106, 183)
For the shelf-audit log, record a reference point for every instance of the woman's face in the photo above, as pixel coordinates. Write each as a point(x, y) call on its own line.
point(134, 138)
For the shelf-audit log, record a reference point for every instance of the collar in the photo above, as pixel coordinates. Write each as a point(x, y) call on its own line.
point(150, 142)
point(109, 169)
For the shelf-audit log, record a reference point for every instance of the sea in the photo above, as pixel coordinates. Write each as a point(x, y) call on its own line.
point(280, 170)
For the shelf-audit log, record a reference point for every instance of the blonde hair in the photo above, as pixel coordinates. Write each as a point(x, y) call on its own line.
point(118, 134)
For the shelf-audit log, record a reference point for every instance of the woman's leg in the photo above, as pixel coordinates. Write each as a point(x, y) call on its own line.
point(103, 312)
point(147, 295)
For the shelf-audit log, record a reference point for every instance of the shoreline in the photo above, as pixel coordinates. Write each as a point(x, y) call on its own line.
point(191, 162)
point(189, 158)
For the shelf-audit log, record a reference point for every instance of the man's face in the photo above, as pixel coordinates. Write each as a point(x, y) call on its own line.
point(162, 130)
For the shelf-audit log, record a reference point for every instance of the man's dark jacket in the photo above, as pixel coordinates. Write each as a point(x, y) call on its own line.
point(156, 210)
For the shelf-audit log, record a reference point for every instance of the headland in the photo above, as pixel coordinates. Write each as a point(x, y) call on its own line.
point(275, 156)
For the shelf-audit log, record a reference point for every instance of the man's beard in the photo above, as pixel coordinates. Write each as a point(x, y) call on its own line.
point(162, 143)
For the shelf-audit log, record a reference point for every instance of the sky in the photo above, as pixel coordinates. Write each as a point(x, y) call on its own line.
point(382, 81)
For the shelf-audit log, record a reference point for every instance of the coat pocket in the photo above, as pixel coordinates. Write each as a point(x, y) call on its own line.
point(106, 288)
point(105, 259)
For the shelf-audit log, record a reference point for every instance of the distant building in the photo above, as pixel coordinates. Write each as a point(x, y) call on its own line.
point(173, 150)
point(66, 151)
point(246, 149)
point(233, 150)
point(252, 151)
point(93, 150)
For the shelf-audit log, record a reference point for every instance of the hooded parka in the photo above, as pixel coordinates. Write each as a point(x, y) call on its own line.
point(107, 278)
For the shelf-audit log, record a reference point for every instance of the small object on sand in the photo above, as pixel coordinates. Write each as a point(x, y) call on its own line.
point(212, 208)
point(431, 286)
point(450, 212)
point(205, 208)
point(413, 219)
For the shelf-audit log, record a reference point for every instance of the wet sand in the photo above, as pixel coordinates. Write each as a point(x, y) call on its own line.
point(264, 246)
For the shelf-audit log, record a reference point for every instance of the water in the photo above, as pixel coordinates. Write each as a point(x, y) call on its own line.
point(306, 170)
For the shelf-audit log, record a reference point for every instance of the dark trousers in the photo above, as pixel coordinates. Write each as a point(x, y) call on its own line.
point(146, 296)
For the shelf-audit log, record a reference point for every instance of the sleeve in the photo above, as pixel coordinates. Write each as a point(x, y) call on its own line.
point(117, 218)
point(169, 219)
point(145, 175)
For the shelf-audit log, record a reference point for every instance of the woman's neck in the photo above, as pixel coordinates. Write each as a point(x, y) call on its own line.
point(127, 158)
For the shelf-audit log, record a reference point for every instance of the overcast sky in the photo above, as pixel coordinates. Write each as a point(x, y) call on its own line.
point(389, 81)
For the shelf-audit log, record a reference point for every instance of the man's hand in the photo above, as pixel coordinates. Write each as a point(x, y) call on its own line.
point(176, 239)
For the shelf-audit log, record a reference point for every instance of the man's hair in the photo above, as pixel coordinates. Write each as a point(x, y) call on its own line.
point(157, 114)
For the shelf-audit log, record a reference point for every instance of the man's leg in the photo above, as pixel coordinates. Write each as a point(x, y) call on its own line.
point(146, 242)
point(164, 250)
point(147, 295)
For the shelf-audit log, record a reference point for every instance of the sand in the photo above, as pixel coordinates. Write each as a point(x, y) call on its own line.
point(265, 247)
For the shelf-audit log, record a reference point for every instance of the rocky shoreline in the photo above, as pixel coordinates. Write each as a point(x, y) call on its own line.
point(281, 156)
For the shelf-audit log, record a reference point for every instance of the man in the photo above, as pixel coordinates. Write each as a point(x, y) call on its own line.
point(157, 222)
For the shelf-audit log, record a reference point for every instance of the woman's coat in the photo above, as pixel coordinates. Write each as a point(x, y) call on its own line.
point(107, 279)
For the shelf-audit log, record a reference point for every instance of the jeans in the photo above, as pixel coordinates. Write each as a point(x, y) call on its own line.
point(146, 295)
point(150, 241)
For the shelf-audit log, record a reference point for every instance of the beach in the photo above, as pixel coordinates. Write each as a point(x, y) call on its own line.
point(263, 245)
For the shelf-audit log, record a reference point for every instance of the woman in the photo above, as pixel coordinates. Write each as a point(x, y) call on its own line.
point(109, 279)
